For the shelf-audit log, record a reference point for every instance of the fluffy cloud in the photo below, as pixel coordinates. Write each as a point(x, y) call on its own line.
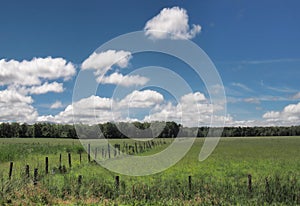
point(95, 109)
point(46, 87)
point(290, 115)
point(87, 110)
point(102, 62)
point(33, 72)
point(192, 110)
point(120, 79)
point(171, 23)
point(193, 97)
point(22, 78)
point(11, 96)
point(56, 105)
point(142, 99)
point(16, 107)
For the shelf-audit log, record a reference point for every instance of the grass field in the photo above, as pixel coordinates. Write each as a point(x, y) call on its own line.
point(222, 179)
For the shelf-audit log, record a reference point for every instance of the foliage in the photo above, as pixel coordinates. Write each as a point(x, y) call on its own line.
point(111, 130)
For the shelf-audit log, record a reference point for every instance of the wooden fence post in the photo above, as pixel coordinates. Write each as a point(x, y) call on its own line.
point(27, 171)
point(249, 183)
point(60, 160)
point(79, 180)
point(35, 176)
point(117, 183)
point(89, 152)
point(70, 161)
point(46, 165)
point(190, 183)
point(10, 169)
point(80, 158)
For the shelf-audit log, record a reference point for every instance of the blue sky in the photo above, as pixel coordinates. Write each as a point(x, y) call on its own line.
point(254, 45)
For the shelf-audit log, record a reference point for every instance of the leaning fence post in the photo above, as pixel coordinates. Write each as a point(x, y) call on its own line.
point(249, 183)
point(10, 169)
point(35, 176)
point(46, 165)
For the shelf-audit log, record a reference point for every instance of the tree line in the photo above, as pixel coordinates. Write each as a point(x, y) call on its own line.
point(135, 129)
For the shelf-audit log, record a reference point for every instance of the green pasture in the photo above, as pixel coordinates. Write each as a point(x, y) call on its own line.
point(222, 179)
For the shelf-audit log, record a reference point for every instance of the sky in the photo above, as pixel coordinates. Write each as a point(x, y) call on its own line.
point(47, 47)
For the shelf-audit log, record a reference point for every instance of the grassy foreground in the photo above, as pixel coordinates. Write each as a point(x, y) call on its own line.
point(222, 179)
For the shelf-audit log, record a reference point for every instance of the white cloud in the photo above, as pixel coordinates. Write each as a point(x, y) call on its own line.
point(171, 23)
point(290, 115)
point(96, 109)
point(127, 80)
point(89, 110)
point(252, 100)
point(191, 110)
point(11, 96)
point(21, 78)
point(56, 105)
point(46, 87)
point(142, 99)
point(102, 62)
point(16, 107)
point(33, 72)
point(193, 97)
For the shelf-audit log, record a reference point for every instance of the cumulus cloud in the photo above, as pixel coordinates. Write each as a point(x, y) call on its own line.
point(290, 115)
point(46, 87)
point(102, 62)
point(56, 105)
point(16, 107)
point(23, 78)
point(35, 71)
point(120, 79)
point(90, 110)
point(142, 99)
point(171, 23)
point(191, 97)
point(12, 96)
point(95, 109)
point(191, 110)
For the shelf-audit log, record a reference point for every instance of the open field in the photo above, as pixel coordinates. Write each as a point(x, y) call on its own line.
point(222, 179)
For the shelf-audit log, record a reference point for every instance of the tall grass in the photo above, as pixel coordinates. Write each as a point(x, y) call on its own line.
point(274, 164)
